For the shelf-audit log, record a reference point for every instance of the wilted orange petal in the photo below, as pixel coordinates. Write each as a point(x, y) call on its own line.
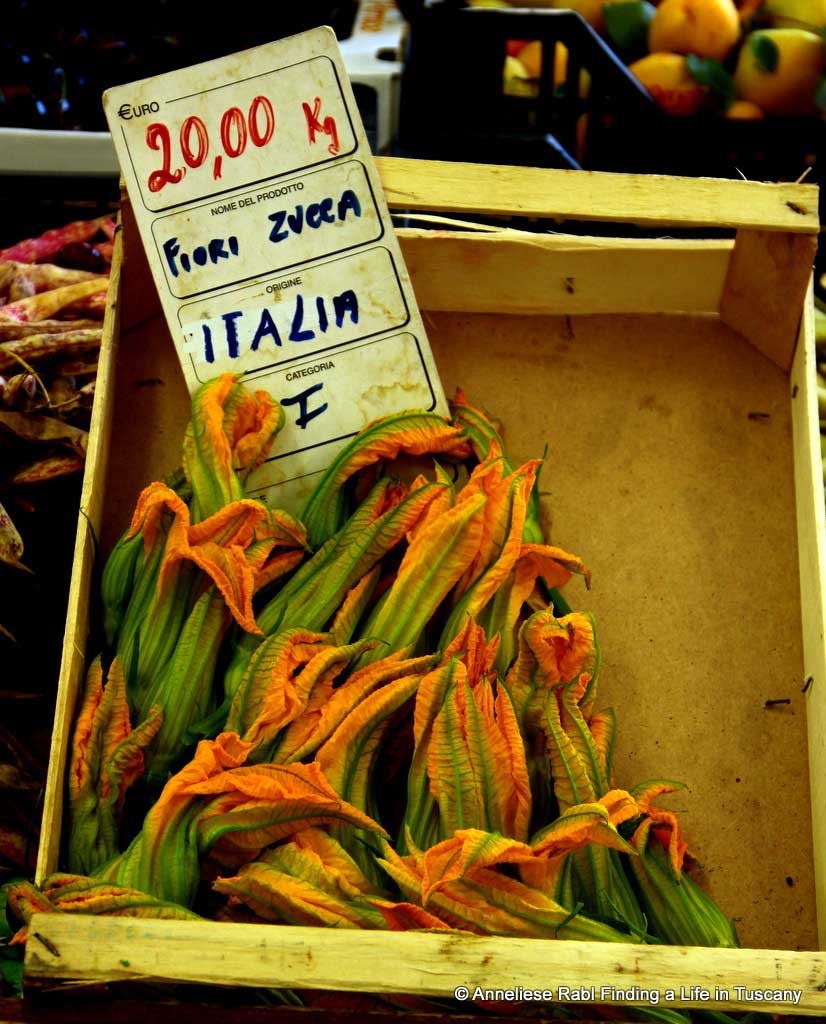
point(453, 769)
point(345, 756)
point(314, 688)
point(562, 646)
point(337, 863)
point(268, 688)
point(206, 455)
point(153, 501)
point(665, 824)
point(406, 917)
point(518, 806)
point(445, 499)
point(212, 758)
point(666, 827)
point(466, 849)
point(252, 431)
point(501, 545)
point(416, 433)
point(117, 725)
point(258, 805)
point(476, 652)
point(353, 606)
point(311, 730)
point(277, 896)
point(603, 726)
point(82, 736)
point(236, 524)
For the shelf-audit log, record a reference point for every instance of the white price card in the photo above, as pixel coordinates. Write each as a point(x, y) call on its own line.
point(272, 247)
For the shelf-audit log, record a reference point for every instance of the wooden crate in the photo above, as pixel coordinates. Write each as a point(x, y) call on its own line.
point(673, 381)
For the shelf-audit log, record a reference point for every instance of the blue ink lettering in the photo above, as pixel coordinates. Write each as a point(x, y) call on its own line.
point(171, 250)
point(212, 252)
point(296, 220)
point(344, 303)
point(313, 215)
point(349, 201)
point(317, 213)
point(209, 352)
point(277, 235)
point(322, 315)
point(296, 334)
point(299, 321)
point(304, 417)
point(232, 333)
point(266, 326)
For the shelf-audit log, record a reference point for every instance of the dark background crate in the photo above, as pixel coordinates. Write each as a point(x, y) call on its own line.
point(453, 107)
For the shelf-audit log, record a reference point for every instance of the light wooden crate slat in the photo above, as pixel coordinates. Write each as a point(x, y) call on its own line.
point(643, 199)
point(425, 964)
point(73, 657)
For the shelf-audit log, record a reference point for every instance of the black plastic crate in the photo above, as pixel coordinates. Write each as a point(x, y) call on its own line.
point(453, 107)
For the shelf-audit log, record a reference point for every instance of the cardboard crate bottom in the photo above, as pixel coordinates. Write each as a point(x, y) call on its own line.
point(672, 471)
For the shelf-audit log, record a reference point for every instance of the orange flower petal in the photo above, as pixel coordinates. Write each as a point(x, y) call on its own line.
point(406, 917)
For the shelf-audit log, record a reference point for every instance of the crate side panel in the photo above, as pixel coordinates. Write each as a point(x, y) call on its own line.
point(485, 273)
point(811, 526)
point(151, 415)
point(73, 665)
point(670, 472)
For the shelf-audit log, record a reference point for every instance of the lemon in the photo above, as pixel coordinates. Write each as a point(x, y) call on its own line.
point(779, 70)
point(706, 28)
point(667, 78)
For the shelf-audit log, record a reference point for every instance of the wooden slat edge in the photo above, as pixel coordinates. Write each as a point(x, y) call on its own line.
point(811, 530)
point(485, 273)
point(71, 947)
point(645, 199)
point(72, 664)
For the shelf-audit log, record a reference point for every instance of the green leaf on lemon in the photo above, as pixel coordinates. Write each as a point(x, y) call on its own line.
point(711, 74)
point(627, 23)
point(766, 52)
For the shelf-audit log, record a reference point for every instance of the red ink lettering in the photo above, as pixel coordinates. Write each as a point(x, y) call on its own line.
point(202, 136)
point(260, 139)
point(158, 137)
point(233, 119)
point(326, 127)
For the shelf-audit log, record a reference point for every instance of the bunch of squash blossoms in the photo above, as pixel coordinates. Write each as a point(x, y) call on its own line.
point(381, 714)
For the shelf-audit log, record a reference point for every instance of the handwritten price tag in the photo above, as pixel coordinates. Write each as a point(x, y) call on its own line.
point(272, 247)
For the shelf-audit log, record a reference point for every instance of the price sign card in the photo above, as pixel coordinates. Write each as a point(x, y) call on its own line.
point(272, 247)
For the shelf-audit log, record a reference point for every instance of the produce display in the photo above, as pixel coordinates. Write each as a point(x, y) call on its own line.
point(381, 714)
point(52, 294)
point(50, 330)
point(759, 58)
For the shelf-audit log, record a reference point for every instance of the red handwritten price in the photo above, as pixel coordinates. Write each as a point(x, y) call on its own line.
point(236, 129)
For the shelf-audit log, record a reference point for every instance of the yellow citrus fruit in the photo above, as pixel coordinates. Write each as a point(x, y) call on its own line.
point(744, 110)
point(707, 28)
point(531, 57)
point(667, 78)
point(779, 70)
point(795, 13)
point(516, 81)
